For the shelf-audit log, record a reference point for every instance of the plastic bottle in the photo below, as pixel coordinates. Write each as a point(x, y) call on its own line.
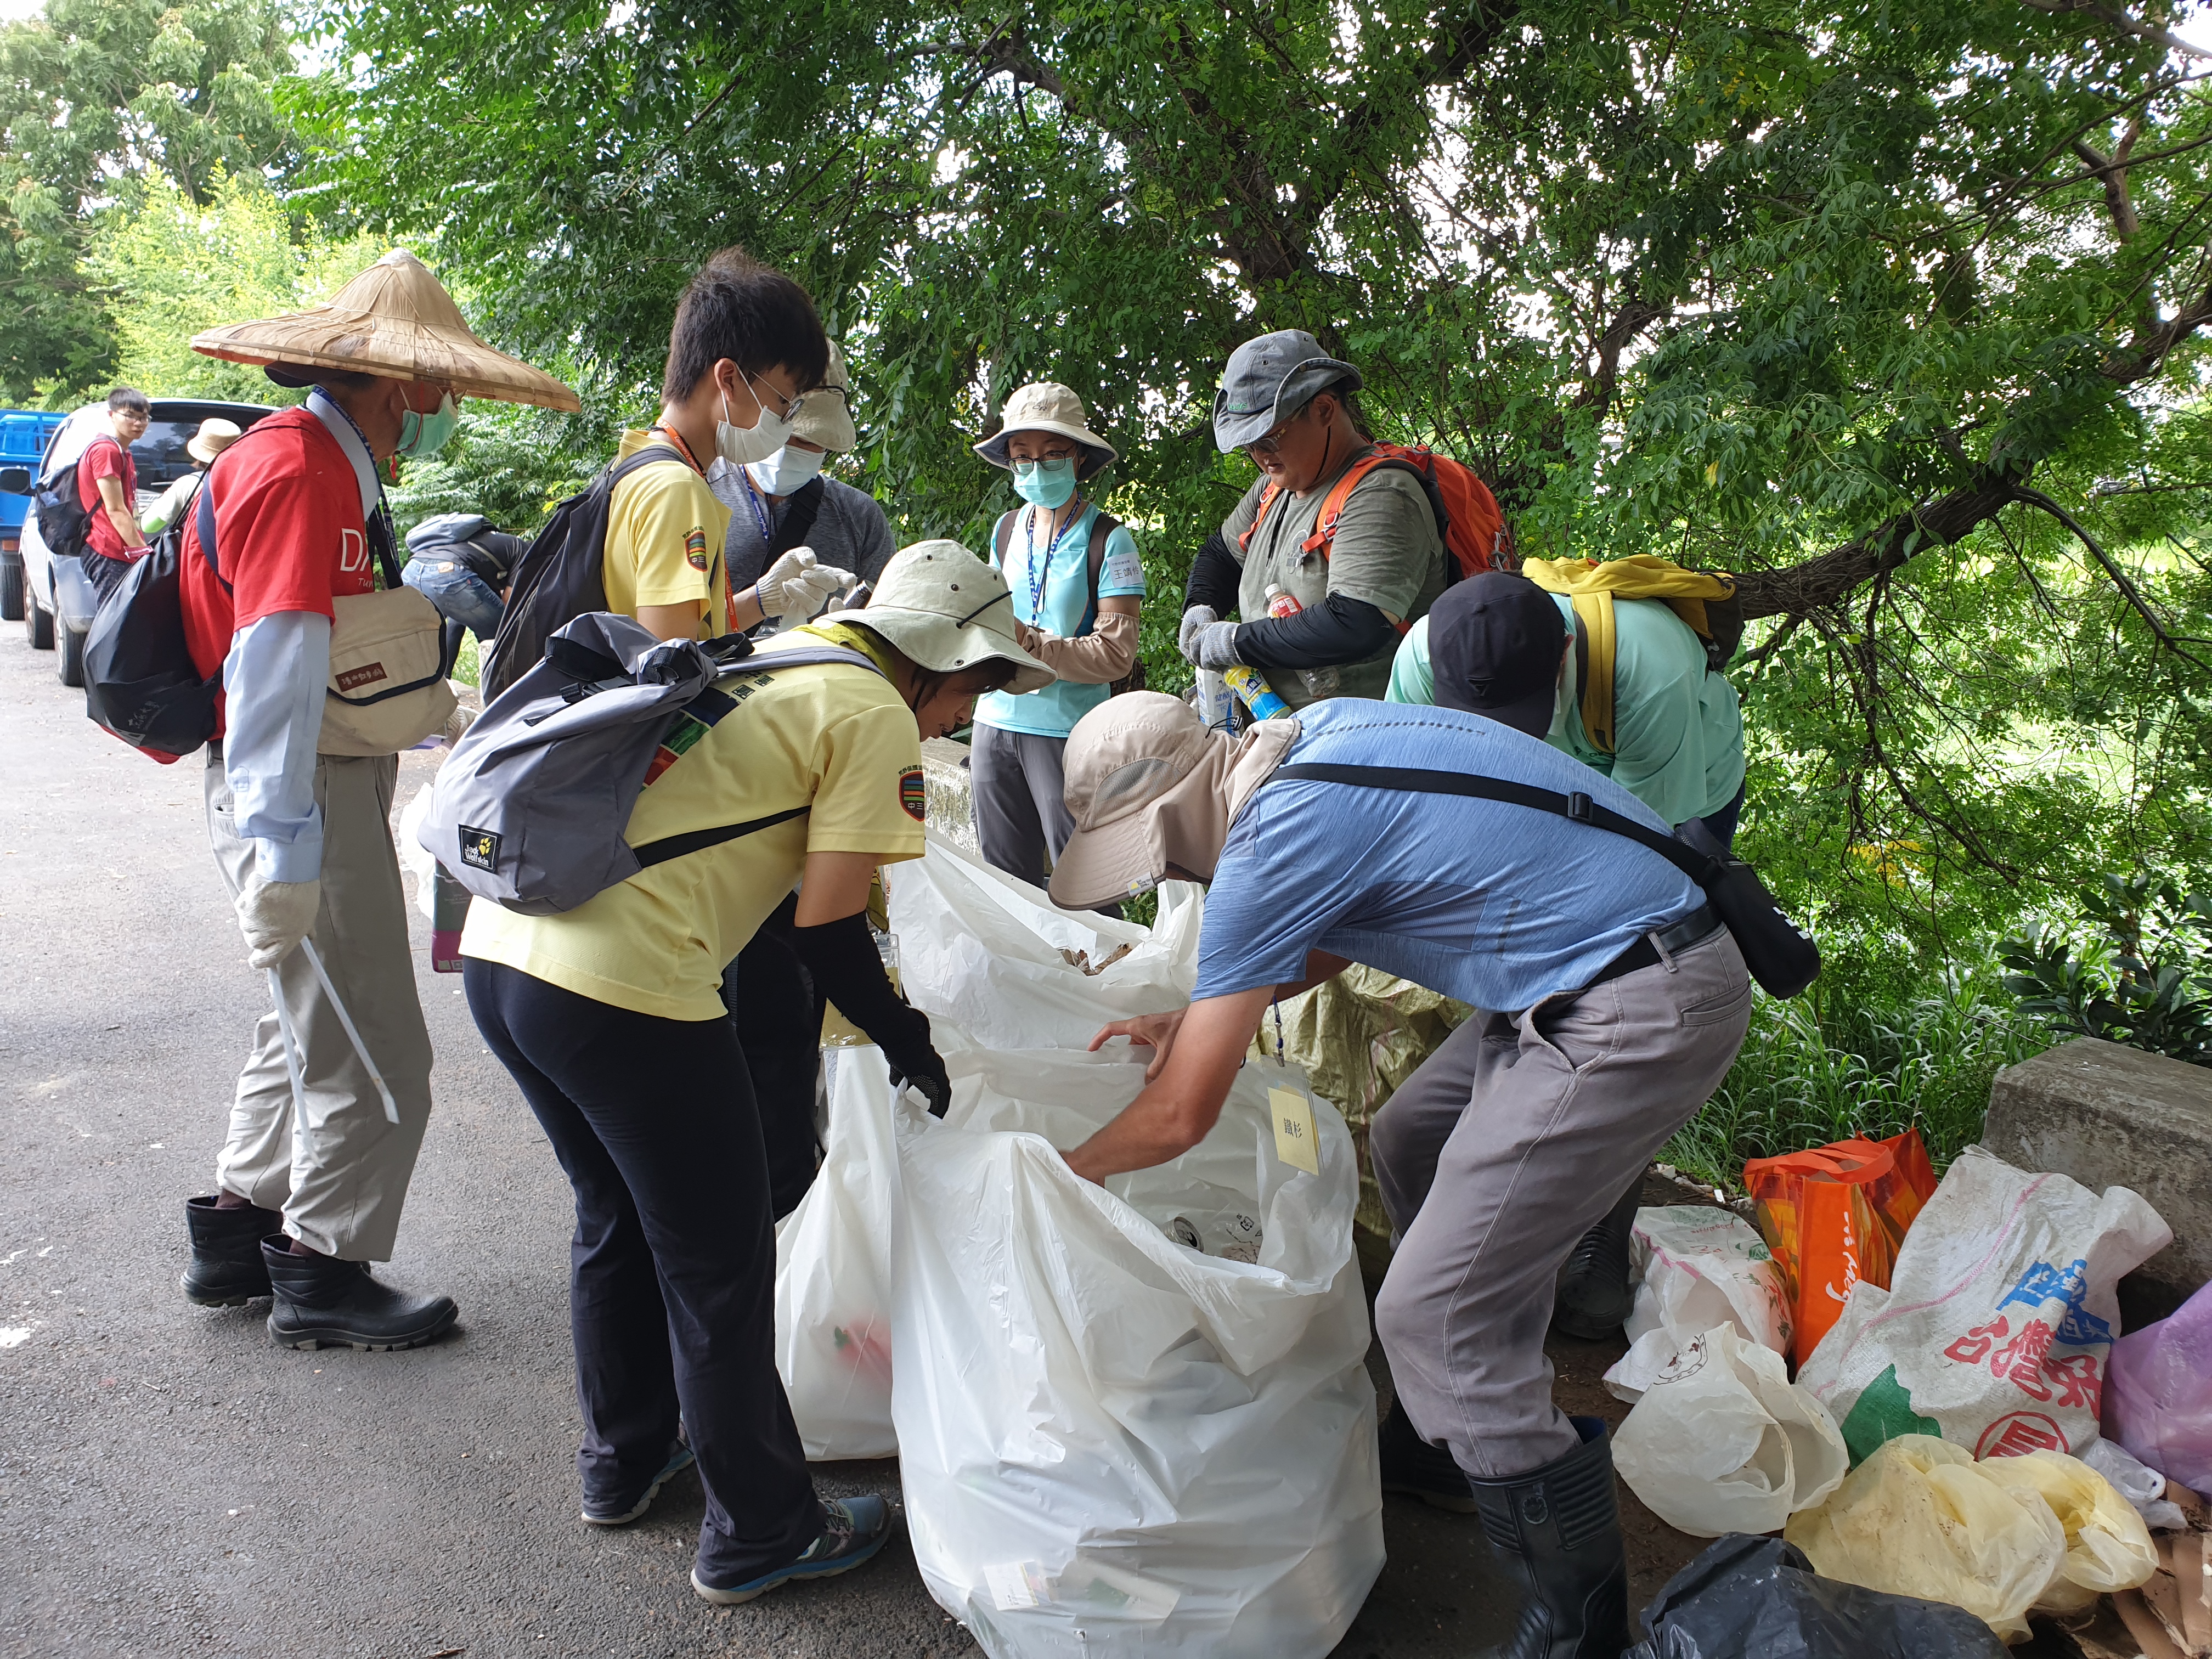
point(1318, 681)
point(449, 905)
point(1215, 704)
point(1259, 696)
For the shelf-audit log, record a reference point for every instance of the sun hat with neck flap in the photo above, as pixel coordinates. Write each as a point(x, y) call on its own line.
point(944, 610)
point(1048, 406)
point(395, 320)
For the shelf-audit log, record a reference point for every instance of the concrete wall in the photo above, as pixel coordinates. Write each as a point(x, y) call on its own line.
point(950, 801)
point(2112, 1116)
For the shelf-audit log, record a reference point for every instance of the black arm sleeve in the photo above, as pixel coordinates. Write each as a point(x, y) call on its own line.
point(1214, 574)
point(1340, 628)
point(841, 956)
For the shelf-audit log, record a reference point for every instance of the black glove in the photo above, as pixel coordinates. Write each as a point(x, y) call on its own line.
point(842, 958)
point(930, 1081)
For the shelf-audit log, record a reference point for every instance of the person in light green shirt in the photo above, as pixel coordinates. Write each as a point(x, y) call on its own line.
point(1679, 732)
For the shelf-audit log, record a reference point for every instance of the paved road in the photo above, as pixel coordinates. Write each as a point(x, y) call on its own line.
point(171, 1483)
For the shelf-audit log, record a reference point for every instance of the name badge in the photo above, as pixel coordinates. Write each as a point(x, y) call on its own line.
point(1296, 1143)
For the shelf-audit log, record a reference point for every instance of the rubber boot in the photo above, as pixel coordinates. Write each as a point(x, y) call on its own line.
point(1594, 1296)
point(323, 1302)
point(1412, 1466)
point(227, 1270)
point(1556, 1530)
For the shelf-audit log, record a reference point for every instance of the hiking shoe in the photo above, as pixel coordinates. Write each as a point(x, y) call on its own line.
point(322, 1302)
point(227, 1270)
point(1412, 1466)
point(853, 1528)
point(679, 1459)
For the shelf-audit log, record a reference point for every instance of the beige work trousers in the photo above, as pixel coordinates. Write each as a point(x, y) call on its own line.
point(339, 1170)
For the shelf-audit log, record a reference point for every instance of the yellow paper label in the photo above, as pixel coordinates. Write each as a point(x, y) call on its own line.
point(1296, 1143)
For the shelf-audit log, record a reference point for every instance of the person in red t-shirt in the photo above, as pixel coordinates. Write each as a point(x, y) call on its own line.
point(107, 490)
point(307, 1198)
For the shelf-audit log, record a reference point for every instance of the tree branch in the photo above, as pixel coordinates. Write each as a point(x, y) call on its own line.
point(2111, 171)
point(2114, 18)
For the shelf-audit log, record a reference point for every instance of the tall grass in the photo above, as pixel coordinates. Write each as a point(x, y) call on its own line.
point(1810, 1074)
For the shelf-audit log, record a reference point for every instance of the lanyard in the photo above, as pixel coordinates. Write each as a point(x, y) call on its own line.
point(760, 507)
point(1041, 569)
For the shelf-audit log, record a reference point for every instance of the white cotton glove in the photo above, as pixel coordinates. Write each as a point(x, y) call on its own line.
point(796, 584)
point(457, 723)
point(275, 916)
point(1195, 622)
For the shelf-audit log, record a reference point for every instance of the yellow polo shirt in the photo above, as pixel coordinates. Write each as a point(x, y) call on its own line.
point(832, 736)
point(665, 535)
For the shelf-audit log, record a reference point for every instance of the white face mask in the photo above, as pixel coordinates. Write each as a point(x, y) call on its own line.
point(743, 445)
point(787, 471)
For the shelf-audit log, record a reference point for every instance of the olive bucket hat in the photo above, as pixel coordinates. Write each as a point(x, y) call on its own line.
point(1268, 380)
point(944, 610)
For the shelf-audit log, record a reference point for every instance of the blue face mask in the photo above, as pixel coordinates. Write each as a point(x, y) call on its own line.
point(426, 434)
point(1047, 483)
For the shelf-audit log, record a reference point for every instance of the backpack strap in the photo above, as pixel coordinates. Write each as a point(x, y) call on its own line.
point(1002, 538)
point(805, 507)
point(1595, 647)
point(1259, 515)
point(717, 703)
point(1577, 807)
point(1102, 526)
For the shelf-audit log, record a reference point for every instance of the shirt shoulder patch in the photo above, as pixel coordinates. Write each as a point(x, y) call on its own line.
point(913, 794)
point(695, 547)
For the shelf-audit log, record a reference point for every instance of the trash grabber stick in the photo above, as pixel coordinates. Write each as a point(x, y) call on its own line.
point(315, 962)
point(291, 1049)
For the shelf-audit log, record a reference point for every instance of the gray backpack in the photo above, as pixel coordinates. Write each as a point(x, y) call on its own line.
point(531, 805)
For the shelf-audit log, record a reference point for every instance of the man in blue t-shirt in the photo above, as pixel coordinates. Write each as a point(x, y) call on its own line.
point(1628, 1001)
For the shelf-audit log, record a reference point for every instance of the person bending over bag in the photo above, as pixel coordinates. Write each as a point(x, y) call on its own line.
point(1327, 840)
point(610, 1018)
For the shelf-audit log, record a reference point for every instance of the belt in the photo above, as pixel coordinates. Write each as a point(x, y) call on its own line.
point(1652, 948)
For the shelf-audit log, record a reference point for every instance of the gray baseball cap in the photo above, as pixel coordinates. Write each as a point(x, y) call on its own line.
point(1268, 380)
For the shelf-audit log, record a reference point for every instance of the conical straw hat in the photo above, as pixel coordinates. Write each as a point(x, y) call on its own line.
point(395, 319)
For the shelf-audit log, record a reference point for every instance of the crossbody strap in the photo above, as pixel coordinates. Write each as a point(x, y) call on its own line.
point(805, 507)
point(698, 841)
point(1577, 807)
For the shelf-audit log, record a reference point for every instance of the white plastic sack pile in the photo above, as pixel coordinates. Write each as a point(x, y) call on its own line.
point(1723, 1441)
point(1999, 1319)
point(1110, 1442)
point(1696, 1266)
point(992, 954)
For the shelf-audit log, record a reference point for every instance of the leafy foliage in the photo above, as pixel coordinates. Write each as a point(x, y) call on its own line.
point(2139, 976)
point(95, 97)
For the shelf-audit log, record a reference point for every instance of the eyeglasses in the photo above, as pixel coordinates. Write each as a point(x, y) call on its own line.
point(1050, 455)
point(787, 409)
point(1270, 442)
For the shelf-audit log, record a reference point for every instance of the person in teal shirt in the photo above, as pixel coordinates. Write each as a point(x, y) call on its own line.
point(1015, 767)
point(1679, 732)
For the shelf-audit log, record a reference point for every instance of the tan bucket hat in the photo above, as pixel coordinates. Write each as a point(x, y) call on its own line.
point(1153, 792)
point(1047, 406)
point(824, 416)
point(394, 319)
point(216, 434)
point(945, 609)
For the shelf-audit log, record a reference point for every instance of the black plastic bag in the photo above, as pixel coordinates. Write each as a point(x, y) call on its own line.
point(1759, 1598)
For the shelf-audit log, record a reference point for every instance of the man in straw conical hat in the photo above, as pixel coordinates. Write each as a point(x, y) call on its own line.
point(308, 1195)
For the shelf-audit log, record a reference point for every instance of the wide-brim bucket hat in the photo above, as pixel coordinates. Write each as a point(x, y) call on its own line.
point(395, 320)
point(1268, 380)
point(1048, 406)
point(825, 415)
point(216, 434)
point(944, 610)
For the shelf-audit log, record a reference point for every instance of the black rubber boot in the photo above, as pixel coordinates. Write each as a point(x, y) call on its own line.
point(1595, 1295)
point(1557, 1529)
point(323, 1302)
point(1412, 1466)
point(227, 1270)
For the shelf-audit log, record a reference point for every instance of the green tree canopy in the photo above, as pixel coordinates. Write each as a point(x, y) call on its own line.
point(96, 96)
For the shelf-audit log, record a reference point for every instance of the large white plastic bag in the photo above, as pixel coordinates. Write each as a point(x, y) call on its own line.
point(1722, 1441)
point(1110, 1444)
point(1999, 1317)
point(1696, 1266)
point(833, 1278)
point(984, 951)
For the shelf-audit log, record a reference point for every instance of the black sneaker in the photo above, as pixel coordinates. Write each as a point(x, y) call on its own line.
point(852, 1530)
point(680, 1458)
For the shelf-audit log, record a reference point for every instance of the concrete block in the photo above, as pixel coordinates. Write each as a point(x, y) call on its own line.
point(951, 800)
point(2114, 1116)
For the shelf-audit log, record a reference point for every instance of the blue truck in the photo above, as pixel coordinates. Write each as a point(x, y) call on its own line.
point(23, 435)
